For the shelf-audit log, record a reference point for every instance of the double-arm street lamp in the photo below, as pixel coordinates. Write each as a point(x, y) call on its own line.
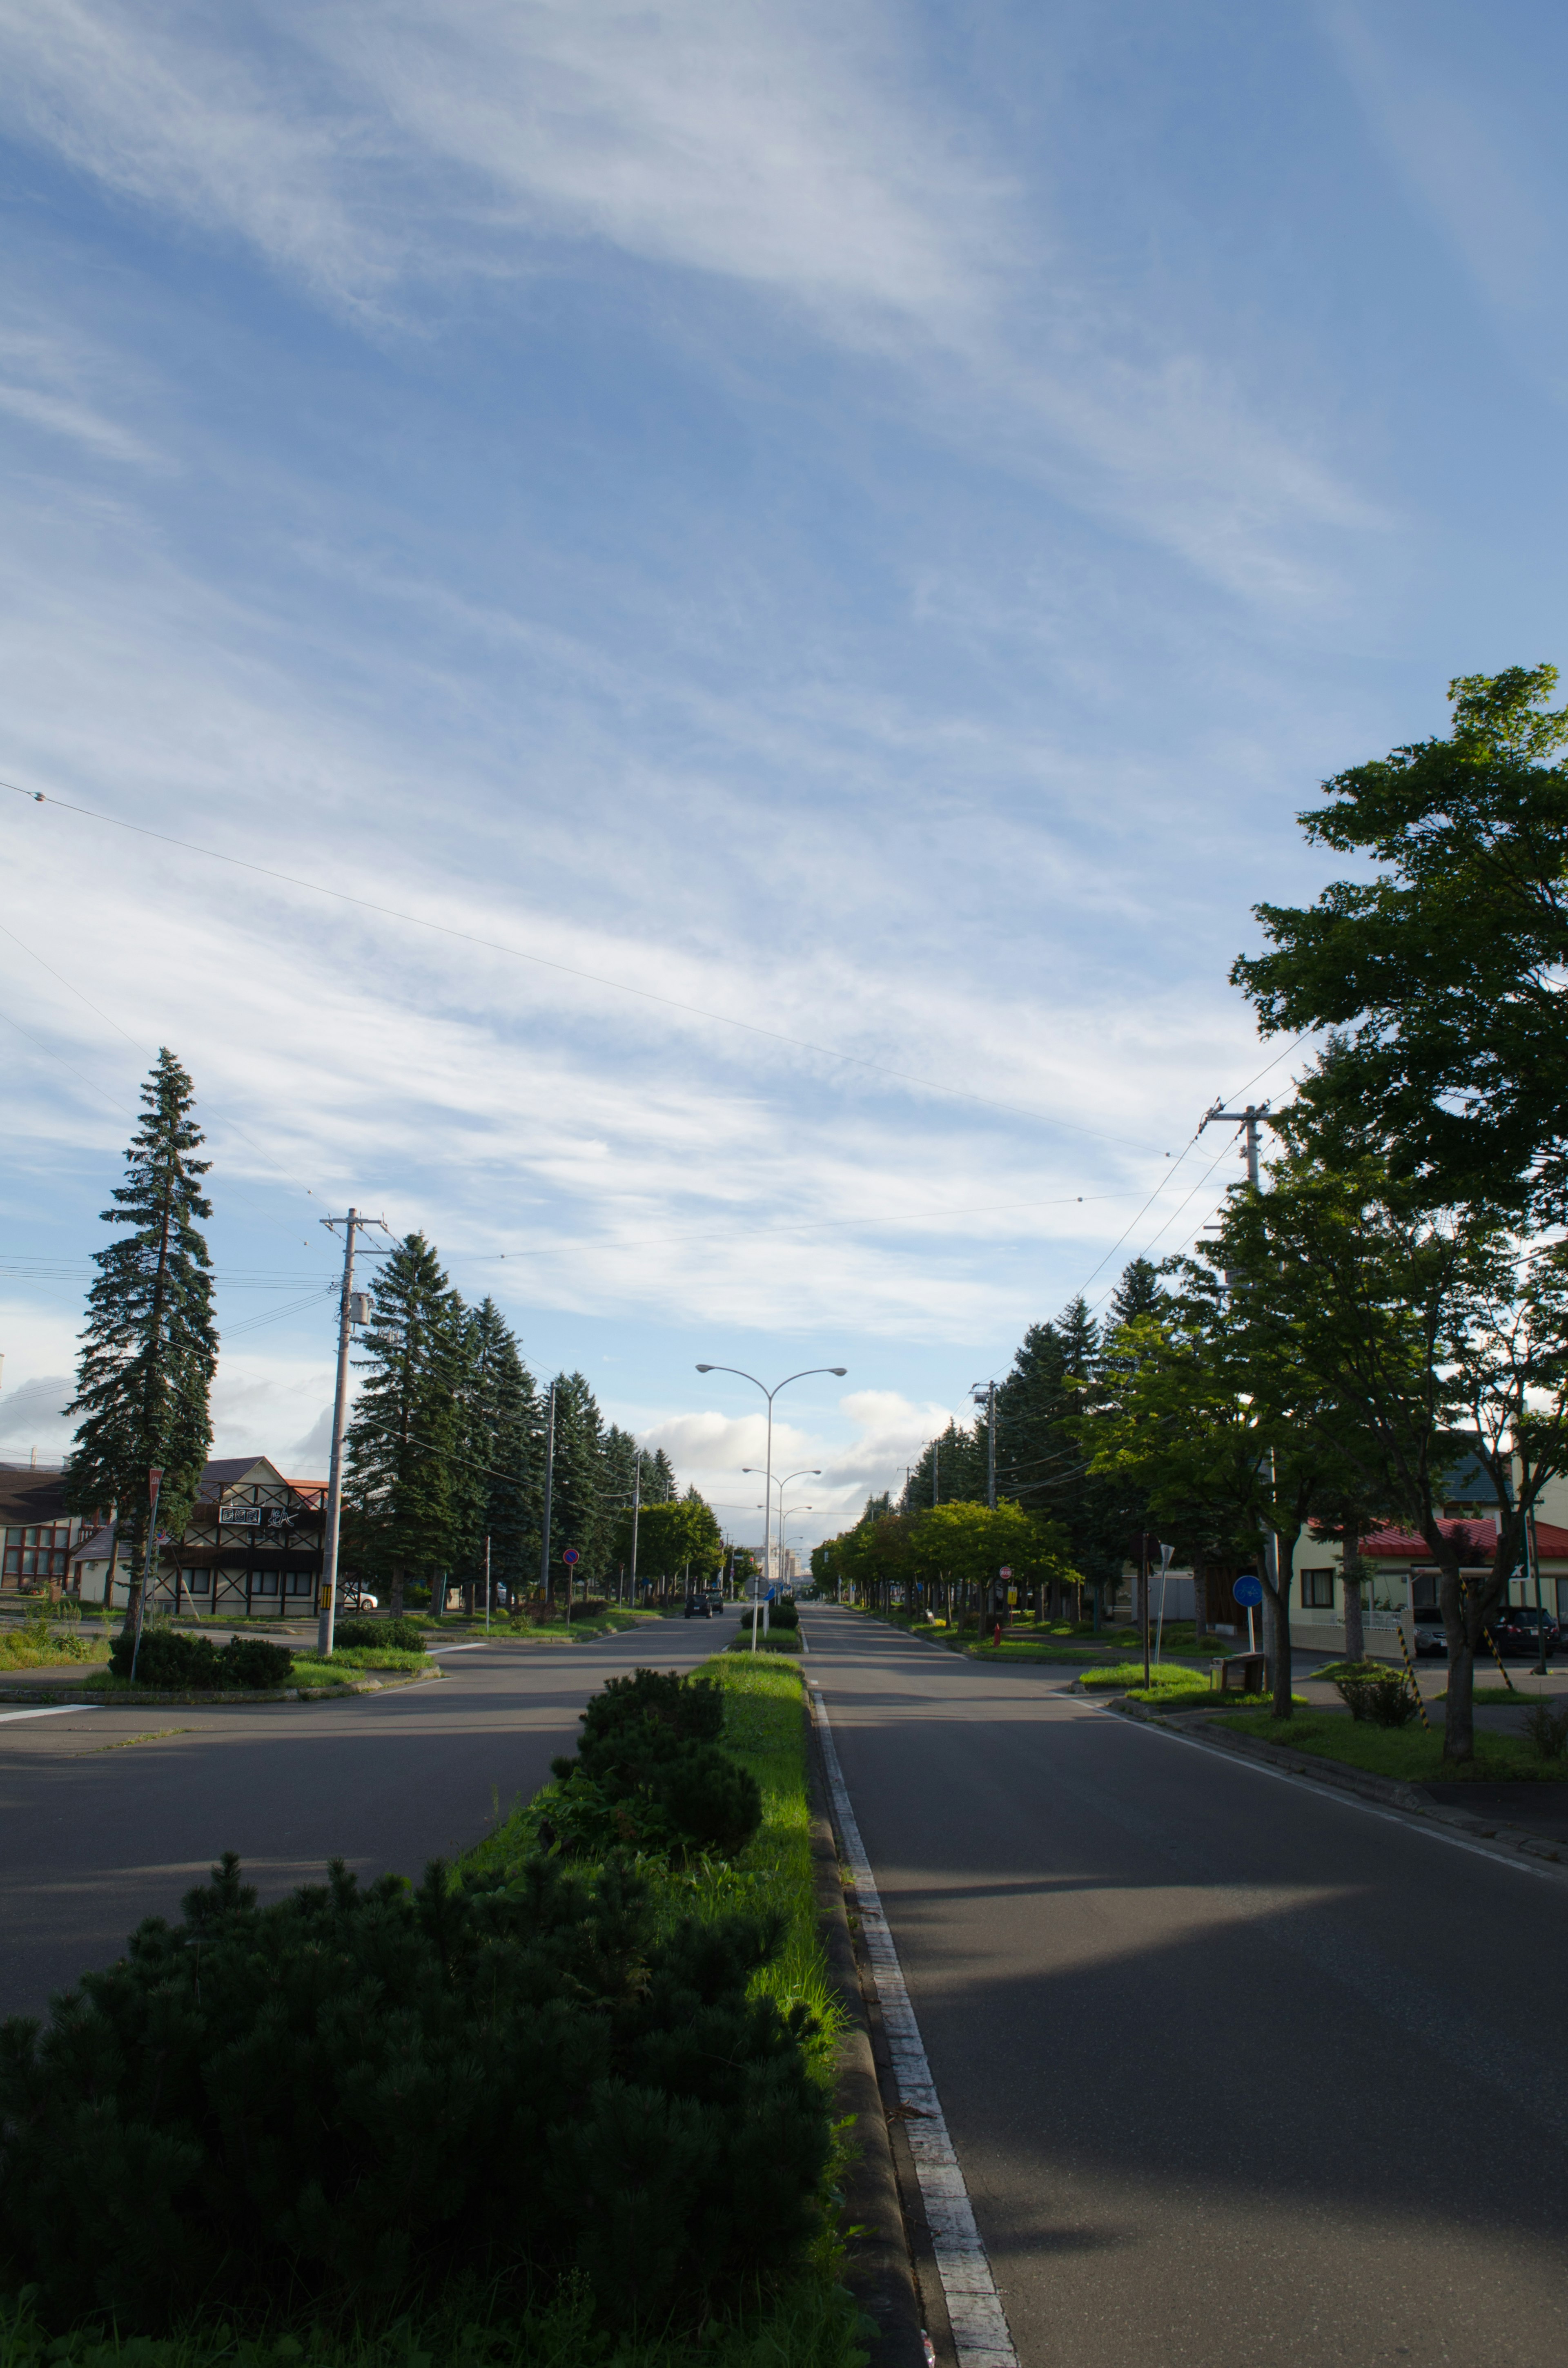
point(770, 1395)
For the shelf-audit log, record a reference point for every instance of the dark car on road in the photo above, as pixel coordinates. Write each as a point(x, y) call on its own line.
point(1516, 1630)
point(698, 1606)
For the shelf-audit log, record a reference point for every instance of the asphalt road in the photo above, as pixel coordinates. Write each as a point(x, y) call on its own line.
point(98, 1829)
point(1235, 2071)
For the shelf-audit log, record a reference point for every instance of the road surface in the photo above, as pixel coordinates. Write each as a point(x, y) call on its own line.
point(1236, 2071)
point(98, 1829)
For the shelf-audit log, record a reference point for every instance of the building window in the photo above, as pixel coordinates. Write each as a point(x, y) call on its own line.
point(298, 1582)
point(1317, 1589)
point(200, 1582)
point(265, 1583)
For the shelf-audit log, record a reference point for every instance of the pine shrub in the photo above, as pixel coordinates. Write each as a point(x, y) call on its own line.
point(786, 1614)
point(649, 1775)
point(360, 2096)
point(192, 1664)
point(1385, 1700)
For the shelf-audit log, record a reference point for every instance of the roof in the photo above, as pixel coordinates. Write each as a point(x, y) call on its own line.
point(26, 1496)
point(96, 1548)
point(228, 1471)
point(1401, 1546)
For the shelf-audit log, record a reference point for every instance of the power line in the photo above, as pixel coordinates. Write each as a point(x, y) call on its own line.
point(572, 969)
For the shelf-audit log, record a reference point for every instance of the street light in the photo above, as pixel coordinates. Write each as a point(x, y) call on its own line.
point(770, 1395)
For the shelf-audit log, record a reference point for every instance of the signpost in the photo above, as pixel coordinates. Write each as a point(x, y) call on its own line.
point(571, 1557)
point(1248, 1590)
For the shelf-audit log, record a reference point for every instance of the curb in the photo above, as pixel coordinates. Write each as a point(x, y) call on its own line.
point(105, 1699)
point(881, 2271)
point(1387, 1791)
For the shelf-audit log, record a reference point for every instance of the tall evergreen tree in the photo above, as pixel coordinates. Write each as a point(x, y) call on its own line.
point(660, 1486)
point(402, 1438)
point(578, 1515)
point(149, 1350)
point(1140, 1293)
point(952, 1471)
point(497, 1485)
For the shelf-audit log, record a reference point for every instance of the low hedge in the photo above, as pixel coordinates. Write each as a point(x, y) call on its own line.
point(774, 1642)
point(400, 1635)
point(359, 2099)
point(167, 1659)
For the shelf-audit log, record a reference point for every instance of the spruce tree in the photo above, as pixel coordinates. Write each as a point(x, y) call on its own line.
point(497, 1471)
point(149, 1350)
point(578, 1515)
point(404, 1435)
point(660, 1486)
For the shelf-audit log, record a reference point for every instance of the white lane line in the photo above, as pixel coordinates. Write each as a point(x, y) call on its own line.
point(441, 1651)
point(981, 2334)
point(55, 1709)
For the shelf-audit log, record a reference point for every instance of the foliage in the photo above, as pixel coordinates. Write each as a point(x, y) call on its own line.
point(785, 1640)
point(1163, 1679)
point(398, 1493)
point(671, 1534)
point(1547, 1730)
point(497, 1471)
point(400, 1636)
point(1386, 1699)
point(1411, 1755)
point(1447, 967)
point(648, 1773)
point(784, 1613)
point(364, 2093)
point(149, 1349)
point(166, 1658)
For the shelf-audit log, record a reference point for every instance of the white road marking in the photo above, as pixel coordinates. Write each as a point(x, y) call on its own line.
point(981, 2334)
point(439, 1652)
point(55, 1709)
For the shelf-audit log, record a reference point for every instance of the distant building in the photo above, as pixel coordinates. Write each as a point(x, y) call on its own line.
point(40, 1535)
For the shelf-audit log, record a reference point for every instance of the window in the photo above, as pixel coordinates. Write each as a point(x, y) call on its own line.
point(298, 1582)
point(200, 1582)
point(1317, 1589)
point(266, 1583)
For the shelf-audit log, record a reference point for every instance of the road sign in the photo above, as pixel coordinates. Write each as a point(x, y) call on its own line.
point(1006, 1571)
point(1248, 1590)
point(569, 1556)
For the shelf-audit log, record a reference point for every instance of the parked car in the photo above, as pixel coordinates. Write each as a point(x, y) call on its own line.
point(1517, 1629)
point(1431, 1638)
point(352, 1597)
point(698, 1608)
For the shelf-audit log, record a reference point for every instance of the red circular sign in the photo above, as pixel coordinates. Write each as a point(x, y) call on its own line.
point(569, 1556)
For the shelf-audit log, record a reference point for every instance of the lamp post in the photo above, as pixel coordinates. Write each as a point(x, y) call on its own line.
point(770, 1395)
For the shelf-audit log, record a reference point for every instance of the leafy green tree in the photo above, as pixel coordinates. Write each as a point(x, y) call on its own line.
point(1420, 1332)
point(149, 1349)
point(1449, 968)
point(674, 1532)
point(969, 1545)
point(403, 1437)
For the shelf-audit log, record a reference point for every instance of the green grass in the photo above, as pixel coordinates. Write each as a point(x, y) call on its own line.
point(26, 1649)
point(1409, 1754)
point(1164, 1679)
point(777, 1640)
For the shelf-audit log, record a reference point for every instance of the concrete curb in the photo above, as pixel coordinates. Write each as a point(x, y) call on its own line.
point(104, 1699)
point(881, 2246)
point(1386, 1791)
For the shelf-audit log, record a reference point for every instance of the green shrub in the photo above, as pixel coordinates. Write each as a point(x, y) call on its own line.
point(691, 1707)
point(401, 1636)
point(1386, 1700)
point(591, 1607)
point(191, 1663)
point(358, 2097)
point(788, 1642)
point(785, 1614)
point(648, 1775)
point(1547, 1730)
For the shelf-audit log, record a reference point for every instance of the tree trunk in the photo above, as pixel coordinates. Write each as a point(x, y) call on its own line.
point(1459, 1710)
point(1355, 1631)
point(395, 1591)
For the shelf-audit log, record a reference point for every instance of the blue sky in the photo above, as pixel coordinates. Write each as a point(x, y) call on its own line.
point(863, 522)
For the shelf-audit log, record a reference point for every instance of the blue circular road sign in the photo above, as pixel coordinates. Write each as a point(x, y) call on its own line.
point(1248, 1590)
point(569, 1556)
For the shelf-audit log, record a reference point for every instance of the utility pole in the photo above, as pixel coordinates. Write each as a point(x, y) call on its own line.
point(636, 1508)
point(987, 1389)
point(548, 1488)
point(353, 1307)
point(936, 1467)
point(487, 1586)
point(1251, 1118)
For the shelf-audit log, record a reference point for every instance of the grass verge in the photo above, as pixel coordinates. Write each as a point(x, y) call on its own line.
point(1164, 1679)
point(1409, 1754)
